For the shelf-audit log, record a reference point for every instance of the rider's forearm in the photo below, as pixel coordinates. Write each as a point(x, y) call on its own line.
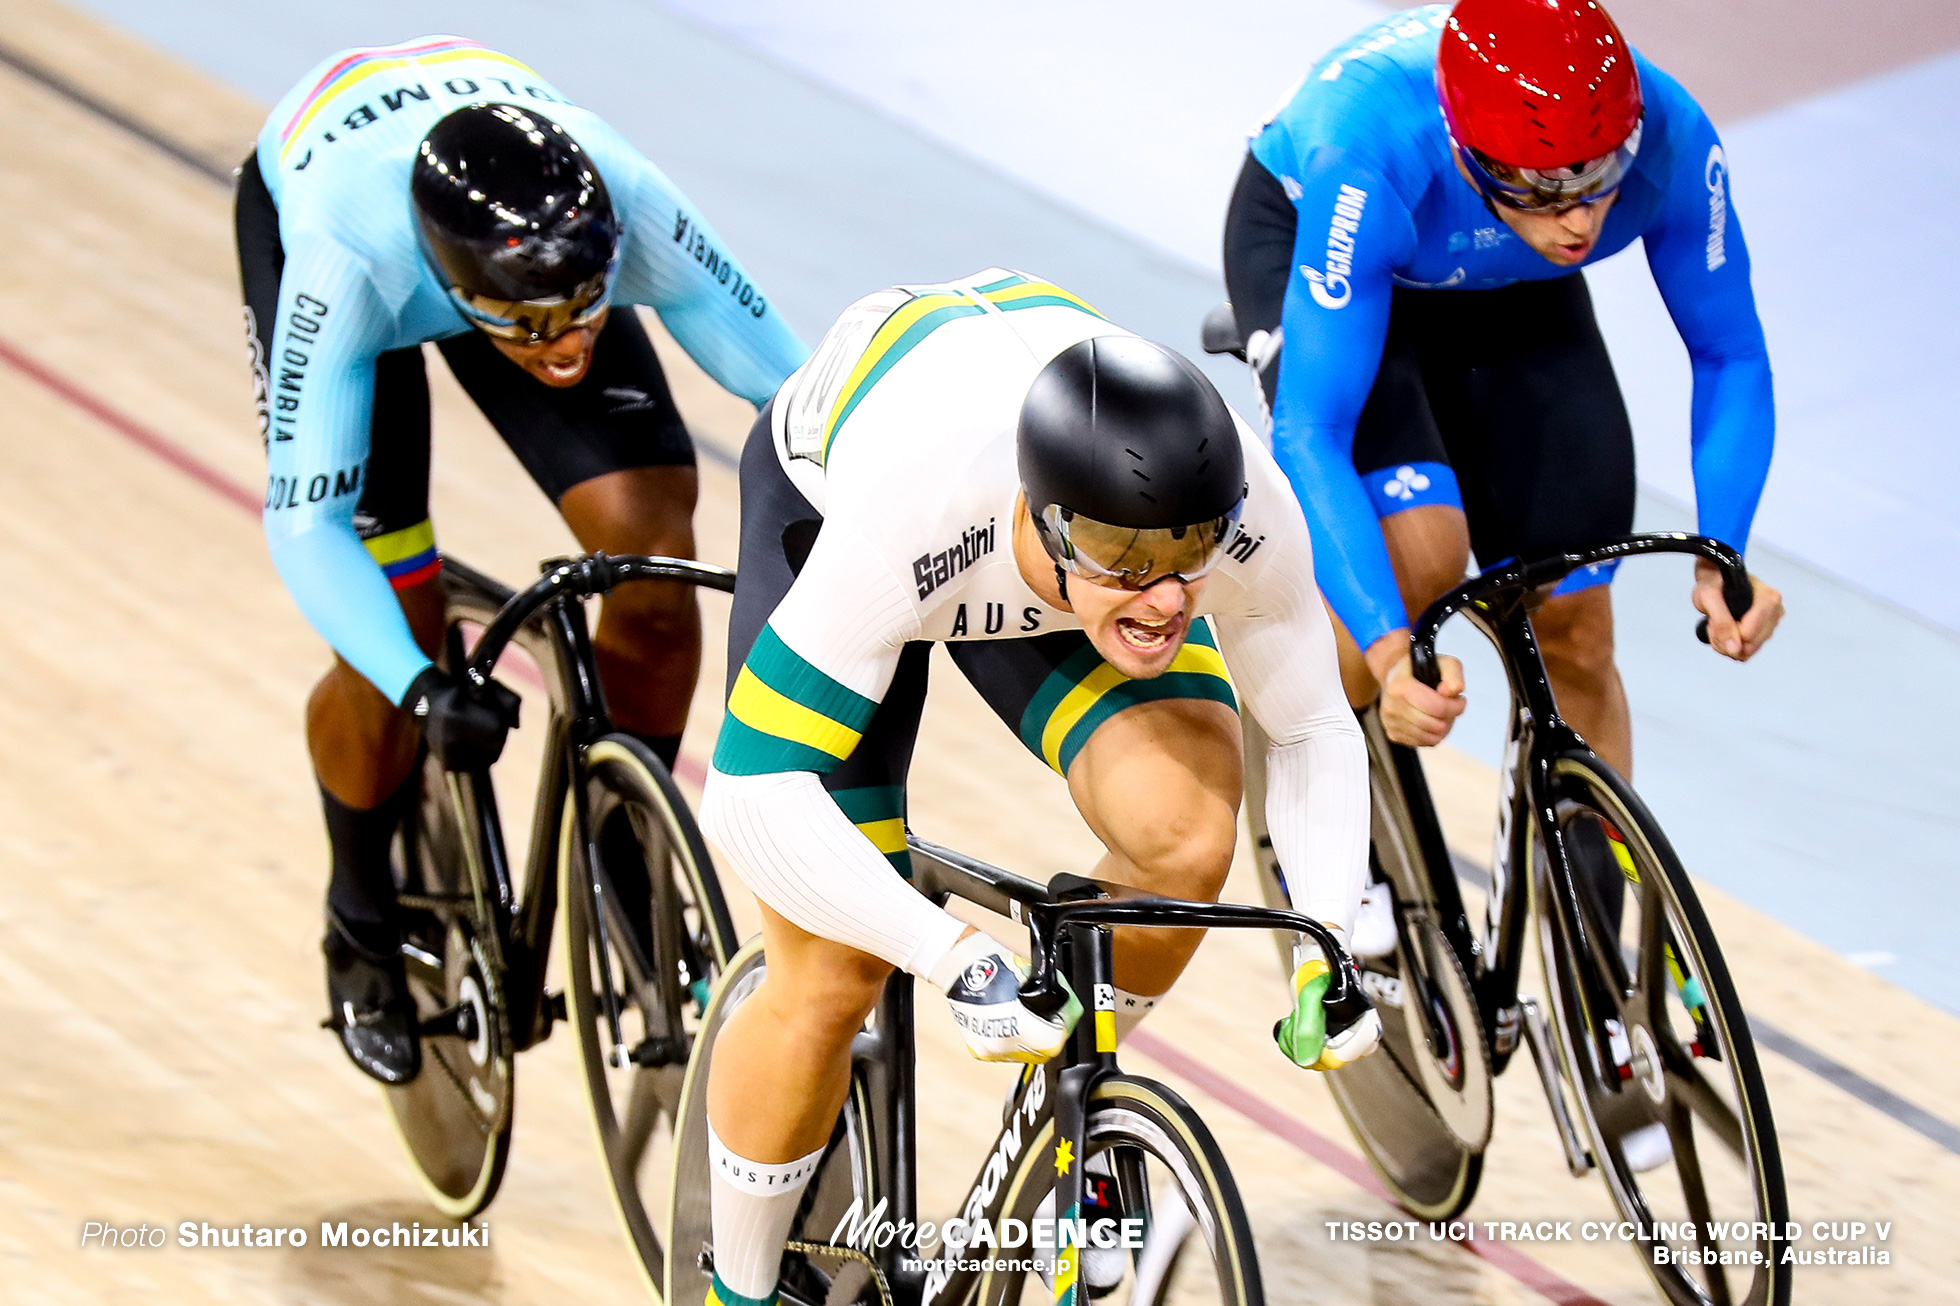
point(799, 854)
point(1317, 814)
point(1350, 557)
point(1382, 655)
point(346, 597)
point(1734, 436)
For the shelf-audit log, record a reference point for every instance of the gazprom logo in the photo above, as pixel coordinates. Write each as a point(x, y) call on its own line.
point(1330, 289)
point(1715, 173)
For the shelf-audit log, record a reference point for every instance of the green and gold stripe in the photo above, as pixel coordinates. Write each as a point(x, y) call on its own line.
point(1019, 292)
point(916, 319)
point(720, 1294)
point(878, 811)
point(1085, 691)
point(785, 715)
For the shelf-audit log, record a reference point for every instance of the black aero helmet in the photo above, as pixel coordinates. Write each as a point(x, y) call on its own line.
point(515, 218)
point(1130, 462)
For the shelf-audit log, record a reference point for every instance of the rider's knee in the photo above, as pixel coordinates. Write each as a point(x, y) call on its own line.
point(831, 987)
point(1575, 633)
point(1183, 843)
point(649, 616)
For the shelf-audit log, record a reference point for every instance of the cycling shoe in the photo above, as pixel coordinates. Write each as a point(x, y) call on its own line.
point(367, 995)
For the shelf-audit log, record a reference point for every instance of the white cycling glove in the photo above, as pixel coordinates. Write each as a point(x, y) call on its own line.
point(982, 983)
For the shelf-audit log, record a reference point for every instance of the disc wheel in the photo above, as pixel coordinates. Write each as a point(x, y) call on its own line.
point(1421, 1108)
point(1656, 1049)
point(455, 1117)
point(647, 933)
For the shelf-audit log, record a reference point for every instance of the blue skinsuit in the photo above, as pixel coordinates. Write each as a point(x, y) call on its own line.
point(336, 155)
point(1361, 150)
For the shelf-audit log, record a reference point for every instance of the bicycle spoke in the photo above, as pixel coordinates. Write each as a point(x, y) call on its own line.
point(1653, 983)
point(1686, 1085)
point(646, 1107)
point(1694, 1191)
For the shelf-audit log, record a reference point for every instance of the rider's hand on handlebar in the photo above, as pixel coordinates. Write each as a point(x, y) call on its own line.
point(465, 726)
point(1412, 712)
point(1732, 639)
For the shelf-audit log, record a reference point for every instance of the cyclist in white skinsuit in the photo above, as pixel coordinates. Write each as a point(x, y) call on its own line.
point(1077, 515)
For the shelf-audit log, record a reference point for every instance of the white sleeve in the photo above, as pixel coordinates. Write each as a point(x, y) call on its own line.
point(1282, 655)
point(822, 663)
point(796, 850)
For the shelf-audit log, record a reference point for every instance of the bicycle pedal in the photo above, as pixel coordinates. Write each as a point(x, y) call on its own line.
point(554, 1007)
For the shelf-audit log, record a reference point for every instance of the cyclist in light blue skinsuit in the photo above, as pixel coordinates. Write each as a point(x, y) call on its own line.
point(1403, 253)
point(440, 191)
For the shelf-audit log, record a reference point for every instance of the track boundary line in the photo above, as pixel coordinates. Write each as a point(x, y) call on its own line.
point(102, 109)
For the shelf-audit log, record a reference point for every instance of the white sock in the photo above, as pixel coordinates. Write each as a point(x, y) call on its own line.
point(753, 1207)
point(1131, 1008)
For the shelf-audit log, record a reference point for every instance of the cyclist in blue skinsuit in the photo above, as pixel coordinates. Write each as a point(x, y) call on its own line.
point(440, 191)
point(1402, 253)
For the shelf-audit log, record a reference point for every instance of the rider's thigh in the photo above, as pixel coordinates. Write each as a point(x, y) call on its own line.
point(1159, 784)
point(1429, 548)
point(636, 510)
point(640, 510)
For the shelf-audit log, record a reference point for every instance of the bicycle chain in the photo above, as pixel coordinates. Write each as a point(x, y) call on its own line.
point(848, 1254)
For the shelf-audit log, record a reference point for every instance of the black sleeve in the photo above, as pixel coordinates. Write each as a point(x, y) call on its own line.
point(1259, 230)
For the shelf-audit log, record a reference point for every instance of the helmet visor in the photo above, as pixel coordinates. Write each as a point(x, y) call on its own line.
point(1132, 557)
point(1549, 190)
point(532, 321)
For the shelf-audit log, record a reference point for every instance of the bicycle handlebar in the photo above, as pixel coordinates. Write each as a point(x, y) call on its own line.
point(1547, 569)
point(1075, 900)
point(595, 573)
point(1044, 994)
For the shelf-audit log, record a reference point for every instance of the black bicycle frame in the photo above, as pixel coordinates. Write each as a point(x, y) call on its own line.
point(1067, 922)
point(1499, 604)
point(579, 716)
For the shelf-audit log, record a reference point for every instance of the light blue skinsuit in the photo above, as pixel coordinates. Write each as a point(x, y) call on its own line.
point(336, 155)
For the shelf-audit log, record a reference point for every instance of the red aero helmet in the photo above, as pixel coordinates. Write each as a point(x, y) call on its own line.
point(1538, 84)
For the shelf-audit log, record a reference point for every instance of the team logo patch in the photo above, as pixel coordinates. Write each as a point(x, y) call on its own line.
point(981, 973)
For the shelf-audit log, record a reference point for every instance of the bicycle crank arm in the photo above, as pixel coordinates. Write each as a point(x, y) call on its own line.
point(1536, 1034)
point(459, 1020)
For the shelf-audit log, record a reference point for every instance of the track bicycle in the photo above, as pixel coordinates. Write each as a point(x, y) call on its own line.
point(613, 843)
point(1079, 1112)
point(1642, 1045)
point(1647, 1060)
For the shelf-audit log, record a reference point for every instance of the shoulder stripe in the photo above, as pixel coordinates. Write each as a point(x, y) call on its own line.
point(1034, 294)
point(902, 331)
point(363, 64)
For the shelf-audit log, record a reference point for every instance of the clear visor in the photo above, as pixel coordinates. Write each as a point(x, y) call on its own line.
point(531, 321)
point(1539, 190)
point(1130, 557)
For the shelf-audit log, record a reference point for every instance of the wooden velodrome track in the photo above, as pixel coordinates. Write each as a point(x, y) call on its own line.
point(162, 861)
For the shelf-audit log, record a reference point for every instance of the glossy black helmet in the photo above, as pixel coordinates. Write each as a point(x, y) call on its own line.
point(515, 219)
point(1130, 462)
